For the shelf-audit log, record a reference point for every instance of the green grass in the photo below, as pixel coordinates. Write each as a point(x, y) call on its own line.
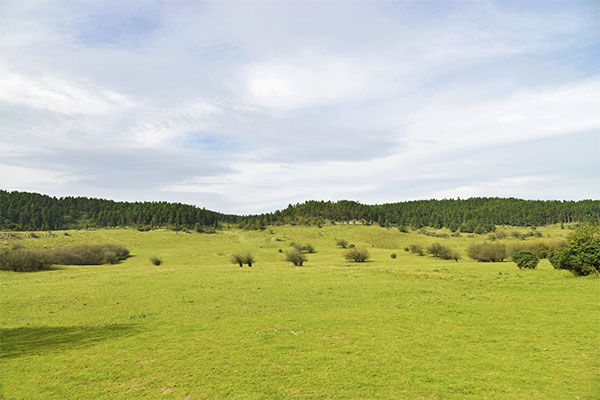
point(200, 327)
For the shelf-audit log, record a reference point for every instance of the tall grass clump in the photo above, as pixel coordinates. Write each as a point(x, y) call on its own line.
point(487, 252)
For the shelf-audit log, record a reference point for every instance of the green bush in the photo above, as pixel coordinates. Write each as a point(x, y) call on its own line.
point(237, 259)
point(525, 259)
point(393, 256)
point(156, 261)
point(88, 254)
point(487, 252)
point(308, 248)
point(23, 260)
point(356, 255)
point(416, 249)
point(343, 243)
point(539, 248)
point(582, 257)
point(248, 259)
point(444, 252)
point(296, 257)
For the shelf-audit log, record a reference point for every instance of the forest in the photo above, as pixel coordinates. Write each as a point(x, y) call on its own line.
point(33, 211)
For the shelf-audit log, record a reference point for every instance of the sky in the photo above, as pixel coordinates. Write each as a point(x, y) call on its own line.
point(248, 106)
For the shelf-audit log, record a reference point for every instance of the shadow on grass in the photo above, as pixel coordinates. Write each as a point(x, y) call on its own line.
point(17, 342)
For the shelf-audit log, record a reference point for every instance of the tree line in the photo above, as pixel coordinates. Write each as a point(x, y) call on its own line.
point(33, 211)
point(479, 214)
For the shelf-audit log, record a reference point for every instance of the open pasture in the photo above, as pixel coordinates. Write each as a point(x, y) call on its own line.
point(198, 326)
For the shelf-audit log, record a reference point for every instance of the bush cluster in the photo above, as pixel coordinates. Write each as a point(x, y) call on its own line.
point(582, 257)
point(416, 249)
point(525, 259)
point(540, 248)
point(487, 252)
point(22, 259)
point(242, 259)
point(88, 254)
point(444, 252)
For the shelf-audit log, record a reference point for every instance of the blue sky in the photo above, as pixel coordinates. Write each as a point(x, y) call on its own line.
point(246, 106)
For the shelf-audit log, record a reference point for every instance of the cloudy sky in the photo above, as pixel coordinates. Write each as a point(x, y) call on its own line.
point(246, 106)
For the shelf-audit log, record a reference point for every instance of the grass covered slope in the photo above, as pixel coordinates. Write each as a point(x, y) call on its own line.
point(198, 326)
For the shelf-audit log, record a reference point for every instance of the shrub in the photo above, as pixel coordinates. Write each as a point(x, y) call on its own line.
point(560, 258)
point(443, 252)
point(487, 252)
point(539, 248)
point(393, 256)
point(88, 254)
point(403, 228)
point(406, 249)
point(582, 257)
point(296, 257)
point(248, 259)
point(308, 248)
point(343, 243)
point(356, 255)
point(23, 260)
point(237, 259)
point(525, 259)
point(155, 260)
point(416, 249)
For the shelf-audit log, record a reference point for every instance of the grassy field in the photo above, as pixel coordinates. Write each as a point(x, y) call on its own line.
point(199, 327)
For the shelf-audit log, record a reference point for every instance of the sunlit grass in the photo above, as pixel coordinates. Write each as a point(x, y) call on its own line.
point(198, 326)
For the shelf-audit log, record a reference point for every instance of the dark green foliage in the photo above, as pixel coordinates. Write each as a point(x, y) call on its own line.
point(296, 257)
point(416, 249)
point(560, 258)
point(407, 249)
point(32, 211)
point(156, 261)
point(444, 252)
point(393, 256)
point(487, 252)
point(582, 257)
point(356, 255)
point(343, 243)
point(403, 228)
point(525, 259)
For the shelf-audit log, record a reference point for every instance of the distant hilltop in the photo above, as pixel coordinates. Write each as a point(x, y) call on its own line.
point(34, 211)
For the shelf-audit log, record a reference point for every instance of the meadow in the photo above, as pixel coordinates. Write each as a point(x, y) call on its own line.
point(198, 326)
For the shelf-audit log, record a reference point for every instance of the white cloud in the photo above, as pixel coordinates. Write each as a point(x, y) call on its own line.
point(308, 80)
point(58, 95)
